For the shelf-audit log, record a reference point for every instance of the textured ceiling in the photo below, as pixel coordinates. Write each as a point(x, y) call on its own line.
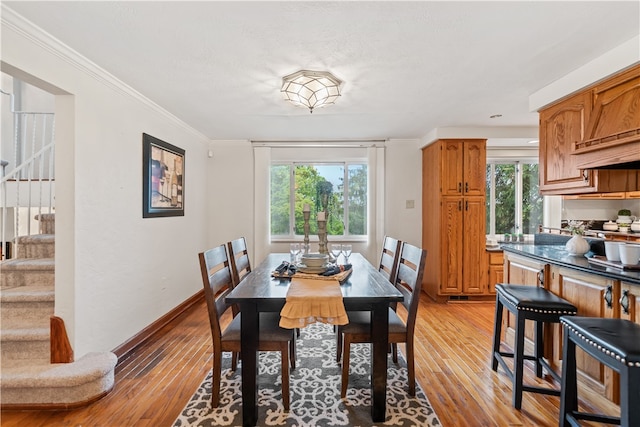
point(408, 67)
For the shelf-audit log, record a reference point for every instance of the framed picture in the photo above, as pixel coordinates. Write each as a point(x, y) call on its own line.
point(162, 178)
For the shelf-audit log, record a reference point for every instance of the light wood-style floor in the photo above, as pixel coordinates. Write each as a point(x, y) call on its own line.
point(453, 347)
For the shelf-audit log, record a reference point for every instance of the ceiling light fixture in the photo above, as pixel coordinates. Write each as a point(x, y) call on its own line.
point(311, 89)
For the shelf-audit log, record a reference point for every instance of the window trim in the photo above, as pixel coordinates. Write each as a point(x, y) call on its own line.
point(518, 162)
point(291, 236)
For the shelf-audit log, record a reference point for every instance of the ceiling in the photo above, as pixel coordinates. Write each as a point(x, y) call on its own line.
point(408, 67)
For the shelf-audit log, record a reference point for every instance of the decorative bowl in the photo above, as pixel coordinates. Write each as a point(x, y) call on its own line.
point(610, 226)
point(314, 260)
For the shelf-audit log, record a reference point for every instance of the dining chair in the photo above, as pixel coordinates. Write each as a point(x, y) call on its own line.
point(218, 283)
point(408, 280)
point(388, 266)
point(239, 256)
point(389, 257)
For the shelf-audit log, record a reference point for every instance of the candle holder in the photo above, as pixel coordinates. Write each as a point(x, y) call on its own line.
point(322, 236)
point(306, 215)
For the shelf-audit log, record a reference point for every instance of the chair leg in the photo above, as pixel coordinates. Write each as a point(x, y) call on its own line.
point(569, 384)
point(234, 360)
point(284, 372)
point(394, 352)
point(539, 347)
point(345, 365)
point(338, 344)
point(215, 382)
point(411, 372)
point(497, 334)
point(518, 362)
point(292, 352)
point(629, 392)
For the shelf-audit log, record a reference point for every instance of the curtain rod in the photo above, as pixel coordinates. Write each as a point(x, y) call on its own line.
point(352, 143)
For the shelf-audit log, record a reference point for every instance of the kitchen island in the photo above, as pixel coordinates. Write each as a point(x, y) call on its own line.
point(595, 290)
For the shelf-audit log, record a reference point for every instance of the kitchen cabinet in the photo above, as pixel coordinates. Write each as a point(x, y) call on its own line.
point(562, 125)
point(495, 270)
point(593, 296)
point(461, 174)
point(612, 133)
point(519, 270)
point(453, 218)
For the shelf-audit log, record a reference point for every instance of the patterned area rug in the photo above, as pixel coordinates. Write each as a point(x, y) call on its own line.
point(315, 390)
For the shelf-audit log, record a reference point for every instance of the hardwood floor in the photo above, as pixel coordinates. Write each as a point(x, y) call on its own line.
point(453, 347)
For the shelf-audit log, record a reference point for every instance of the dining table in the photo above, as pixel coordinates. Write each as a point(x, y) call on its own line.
point(365, 289)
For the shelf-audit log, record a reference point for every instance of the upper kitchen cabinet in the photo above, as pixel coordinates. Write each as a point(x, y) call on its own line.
point(461, 175)
point(561, 125)
point(612, 134)
point(567, 124)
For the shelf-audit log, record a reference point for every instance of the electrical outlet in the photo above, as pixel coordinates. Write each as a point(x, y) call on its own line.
point(410, 204)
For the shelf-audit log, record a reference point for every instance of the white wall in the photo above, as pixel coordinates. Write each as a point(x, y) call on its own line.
point(116, 272)
point(230, 193)
point(403, 182)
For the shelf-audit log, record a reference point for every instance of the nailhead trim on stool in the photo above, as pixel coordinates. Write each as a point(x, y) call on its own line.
point(614, 343)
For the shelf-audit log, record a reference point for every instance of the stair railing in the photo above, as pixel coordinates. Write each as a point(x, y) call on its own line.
point(29, 185)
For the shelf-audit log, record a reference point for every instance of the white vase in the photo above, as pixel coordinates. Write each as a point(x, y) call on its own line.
point(577, 245)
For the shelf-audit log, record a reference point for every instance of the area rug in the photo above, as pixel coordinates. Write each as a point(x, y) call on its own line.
point(314, 388)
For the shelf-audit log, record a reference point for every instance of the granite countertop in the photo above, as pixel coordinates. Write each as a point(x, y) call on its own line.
point(556, 254)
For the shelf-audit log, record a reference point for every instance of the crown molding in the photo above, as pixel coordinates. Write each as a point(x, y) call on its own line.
point(11, 20)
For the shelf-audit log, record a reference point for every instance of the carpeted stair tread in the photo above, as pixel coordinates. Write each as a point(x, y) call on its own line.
point(28, 264)
point(90, 367)
point(15, 331)
point(37, 238)
point(32, 293)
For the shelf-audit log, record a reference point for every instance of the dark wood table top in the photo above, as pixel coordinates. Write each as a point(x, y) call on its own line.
point(366, 285)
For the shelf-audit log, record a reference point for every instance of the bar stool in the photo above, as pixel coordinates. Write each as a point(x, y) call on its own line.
point(527, 303)
point(616, 344)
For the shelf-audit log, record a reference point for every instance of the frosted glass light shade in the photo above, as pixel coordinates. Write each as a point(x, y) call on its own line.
point(311, 89)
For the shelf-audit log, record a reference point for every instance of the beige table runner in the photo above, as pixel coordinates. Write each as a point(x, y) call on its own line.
point(312, 300)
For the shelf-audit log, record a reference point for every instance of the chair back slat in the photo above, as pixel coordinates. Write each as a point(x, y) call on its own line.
point(217, 282)
point(389, 258)
point(408, 280)
point(239, 257)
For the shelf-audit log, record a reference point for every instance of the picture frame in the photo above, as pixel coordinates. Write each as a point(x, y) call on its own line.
point(162, 178)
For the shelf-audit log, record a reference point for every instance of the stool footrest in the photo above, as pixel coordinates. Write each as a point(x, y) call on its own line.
point(543, 362)
point(541, 390)
point(574, 416)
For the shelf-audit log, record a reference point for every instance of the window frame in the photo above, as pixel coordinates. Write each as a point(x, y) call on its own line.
point(519, 188)
point(291, 236)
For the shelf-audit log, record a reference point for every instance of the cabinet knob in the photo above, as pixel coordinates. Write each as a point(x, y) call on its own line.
point(608, 296)
point(585, 175)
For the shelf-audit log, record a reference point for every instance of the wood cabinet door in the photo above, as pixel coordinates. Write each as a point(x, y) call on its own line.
point(451, 167)
point(474, 275)
point(475, 165)
point(561, 126)
point(587, 292)
point(451, 245)
point(522, 271)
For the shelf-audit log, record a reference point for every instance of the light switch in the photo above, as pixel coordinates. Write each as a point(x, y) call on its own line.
point(410, 204)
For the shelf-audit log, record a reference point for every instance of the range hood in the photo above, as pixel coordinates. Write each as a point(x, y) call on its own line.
point(612, 132)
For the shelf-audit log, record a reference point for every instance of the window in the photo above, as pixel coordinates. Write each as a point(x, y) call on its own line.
point(514, 204)
point(341, 188)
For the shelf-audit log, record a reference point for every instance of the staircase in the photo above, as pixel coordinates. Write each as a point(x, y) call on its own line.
point(28, 380)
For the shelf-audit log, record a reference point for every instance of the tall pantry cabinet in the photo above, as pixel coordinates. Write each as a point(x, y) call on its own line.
point(453, 218)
